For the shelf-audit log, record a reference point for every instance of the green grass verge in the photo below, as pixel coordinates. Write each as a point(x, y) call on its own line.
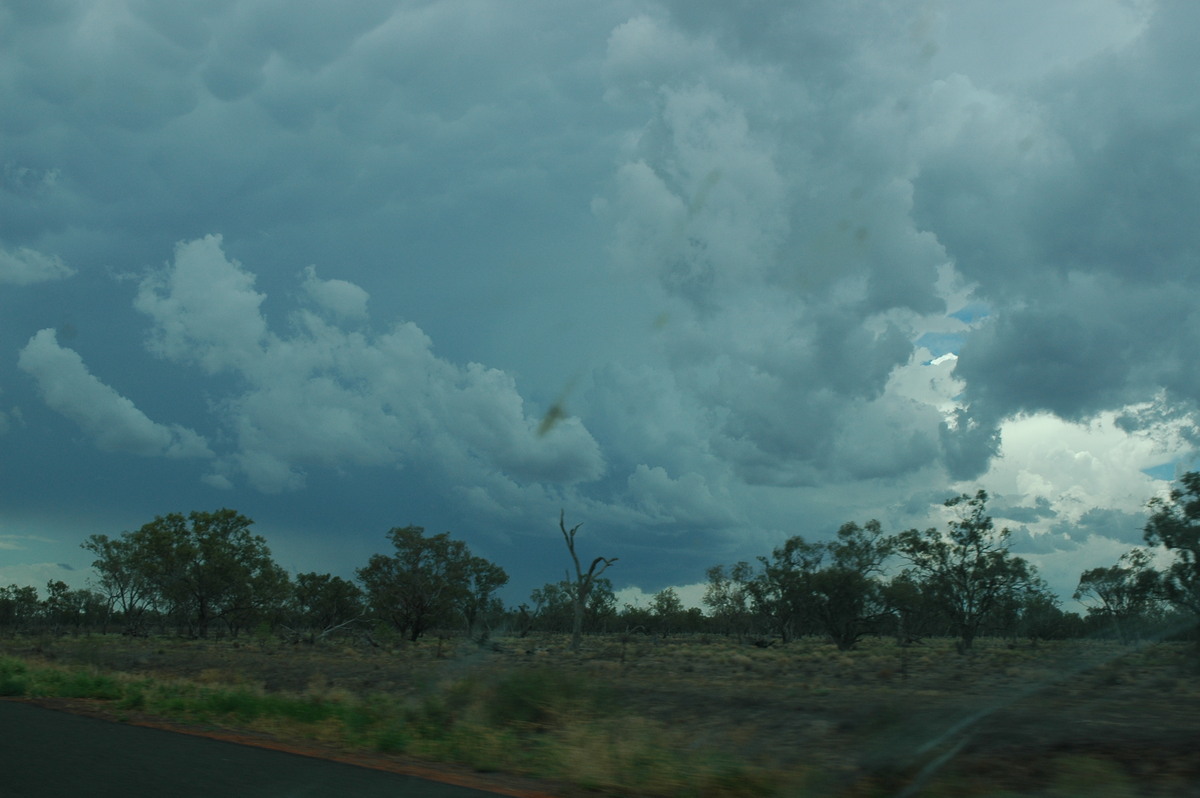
point(539, 722)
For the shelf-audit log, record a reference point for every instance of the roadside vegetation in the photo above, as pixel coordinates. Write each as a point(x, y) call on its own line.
point(483, 711)
point(687, 715)
point(805, 673)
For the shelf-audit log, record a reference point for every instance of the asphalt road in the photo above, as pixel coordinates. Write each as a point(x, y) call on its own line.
point(50, 754)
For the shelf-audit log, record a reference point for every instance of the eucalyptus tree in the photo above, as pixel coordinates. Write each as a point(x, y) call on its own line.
point(667, 612)
point(847, 591)
point(1125, 594)
point(64, 607)
point(729, 598)
point(1040, 615)
point(323, 603)
point(479, 604)
point(19, 607)
point(553, 607)
point(832, 586)
point(913, 614)
point(126, 586)
point(1174, 523)
point(429, 582)
point(967, 572)
point(197, 569)
point(782, 590)
point(211, 567)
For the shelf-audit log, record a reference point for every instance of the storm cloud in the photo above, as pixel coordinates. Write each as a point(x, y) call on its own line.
point(702, 276)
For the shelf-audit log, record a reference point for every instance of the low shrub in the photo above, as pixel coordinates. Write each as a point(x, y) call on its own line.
point(13, 677)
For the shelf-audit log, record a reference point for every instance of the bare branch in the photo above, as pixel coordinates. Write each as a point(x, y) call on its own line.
point(583, 582)
point(593, 573)
point(569, 536)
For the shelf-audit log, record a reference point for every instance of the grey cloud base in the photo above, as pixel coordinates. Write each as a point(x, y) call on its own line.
point(766, 270)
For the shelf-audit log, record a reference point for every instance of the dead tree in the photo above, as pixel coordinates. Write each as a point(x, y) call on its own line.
point(583, 581)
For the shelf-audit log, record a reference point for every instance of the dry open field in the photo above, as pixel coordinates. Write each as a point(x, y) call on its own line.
point(1062, 718)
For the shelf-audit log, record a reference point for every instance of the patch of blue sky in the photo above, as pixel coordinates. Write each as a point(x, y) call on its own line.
point(941, 343)
point(971, 312)
point(1172, 470)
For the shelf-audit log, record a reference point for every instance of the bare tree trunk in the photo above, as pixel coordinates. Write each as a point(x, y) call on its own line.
point(583, 582)
point(577, 627)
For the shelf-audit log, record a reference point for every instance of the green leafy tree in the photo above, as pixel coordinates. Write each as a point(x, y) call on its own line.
point(1175, 524)
point(846, 592)
point(832, 587)
point(1039, 614)
point(125, 585)
point(666, 611)
point(217, 569)
point(429, 582)
point(636, 619)
point(554, 606)
point(600, 614)
point(479, 604)
point(1124, 594)
point(65, 608)
point(19, 607)
point(782, 591)
point(323, 603)
point(729, 599)
point(968, 571)
point(914, 614)
point(199, 569)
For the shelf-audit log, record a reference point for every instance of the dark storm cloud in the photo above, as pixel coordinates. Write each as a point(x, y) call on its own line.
point(790, 289)
point(1023, 542)
point(1084, 251)
point(919, 503)
point(720, 240)
point(1100, 522)
point(1041, 509)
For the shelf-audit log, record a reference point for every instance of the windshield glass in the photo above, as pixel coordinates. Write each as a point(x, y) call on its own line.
point(671, 289)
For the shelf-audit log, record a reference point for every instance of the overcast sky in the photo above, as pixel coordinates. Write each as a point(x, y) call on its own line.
point(702, 274)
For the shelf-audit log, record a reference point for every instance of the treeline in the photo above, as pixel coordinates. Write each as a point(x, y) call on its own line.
point(962, 583)
point(207, 573)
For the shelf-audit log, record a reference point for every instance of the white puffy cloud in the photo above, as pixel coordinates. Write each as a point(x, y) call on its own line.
point(204, 314)
point(690, 595)
point(26, 266)
point(1081, 466)
point(343, 299)
point(111, 420)
point(321, 395)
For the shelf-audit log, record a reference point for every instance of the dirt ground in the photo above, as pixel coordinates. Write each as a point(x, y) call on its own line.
point(1064, 718)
